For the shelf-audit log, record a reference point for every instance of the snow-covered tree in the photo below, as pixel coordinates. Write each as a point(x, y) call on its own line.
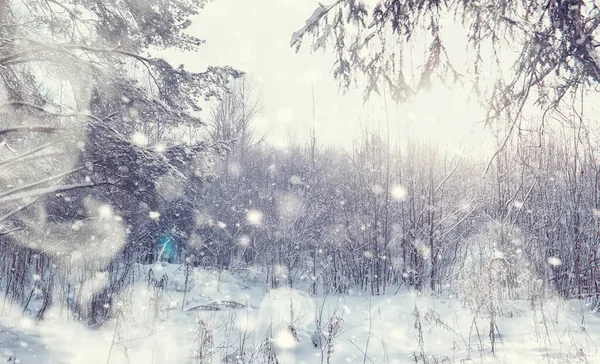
point(86, 114)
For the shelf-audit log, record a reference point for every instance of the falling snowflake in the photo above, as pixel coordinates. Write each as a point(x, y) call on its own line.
point(139, 139)
point(285, 339)
point(422, 248)
point(203, 219)
point(154, 215)
point(244, 241)
point(105, 212)
point(235, 169)
point(464, 206)
point(498, 254)
point(398, 192)
point(77, 225)
point(554, 261)
point(76, 256)
point(160, 148)
point(377, 189)
point(254, 217)
point(280, 270)
point(289, 206)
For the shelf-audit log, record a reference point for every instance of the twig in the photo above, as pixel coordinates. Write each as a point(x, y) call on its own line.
point(365, 354)
point(112, 344)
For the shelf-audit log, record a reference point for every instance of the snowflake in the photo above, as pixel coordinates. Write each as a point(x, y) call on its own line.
point(244, 241)
point(398, 192)
point(377, 189)
point(105, 212)
point(285, 339)
point(254, 217)
point(139, 139)
point(554, 261)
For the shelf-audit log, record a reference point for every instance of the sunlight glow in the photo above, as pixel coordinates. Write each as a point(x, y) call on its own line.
point(445, 117)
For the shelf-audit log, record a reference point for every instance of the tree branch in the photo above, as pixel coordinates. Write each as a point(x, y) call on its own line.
point(26, 128)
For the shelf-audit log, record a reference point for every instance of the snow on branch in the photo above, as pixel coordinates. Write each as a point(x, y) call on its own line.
point(311, 22)
point(28, 128)
point(49, 190)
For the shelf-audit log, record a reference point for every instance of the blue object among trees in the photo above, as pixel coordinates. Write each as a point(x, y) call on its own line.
point(168, 247)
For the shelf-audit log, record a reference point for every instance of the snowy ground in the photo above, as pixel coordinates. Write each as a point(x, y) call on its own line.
point(375, 330)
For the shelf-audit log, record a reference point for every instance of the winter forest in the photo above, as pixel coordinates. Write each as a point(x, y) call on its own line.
point(361, 181)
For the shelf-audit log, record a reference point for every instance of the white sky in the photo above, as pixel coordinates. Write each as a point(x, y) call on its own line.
point(254, 37)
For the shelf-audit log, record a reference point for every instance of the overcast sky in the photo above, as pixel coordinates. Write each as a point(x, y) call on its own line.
point(254, 36)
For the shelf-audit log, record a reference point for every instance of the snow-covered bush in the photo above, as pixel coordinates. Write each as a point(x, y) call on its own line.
point(494, 269)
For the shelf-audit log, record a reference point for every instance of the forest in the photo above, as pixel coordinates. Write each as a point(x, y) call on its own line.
point(116, 165)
